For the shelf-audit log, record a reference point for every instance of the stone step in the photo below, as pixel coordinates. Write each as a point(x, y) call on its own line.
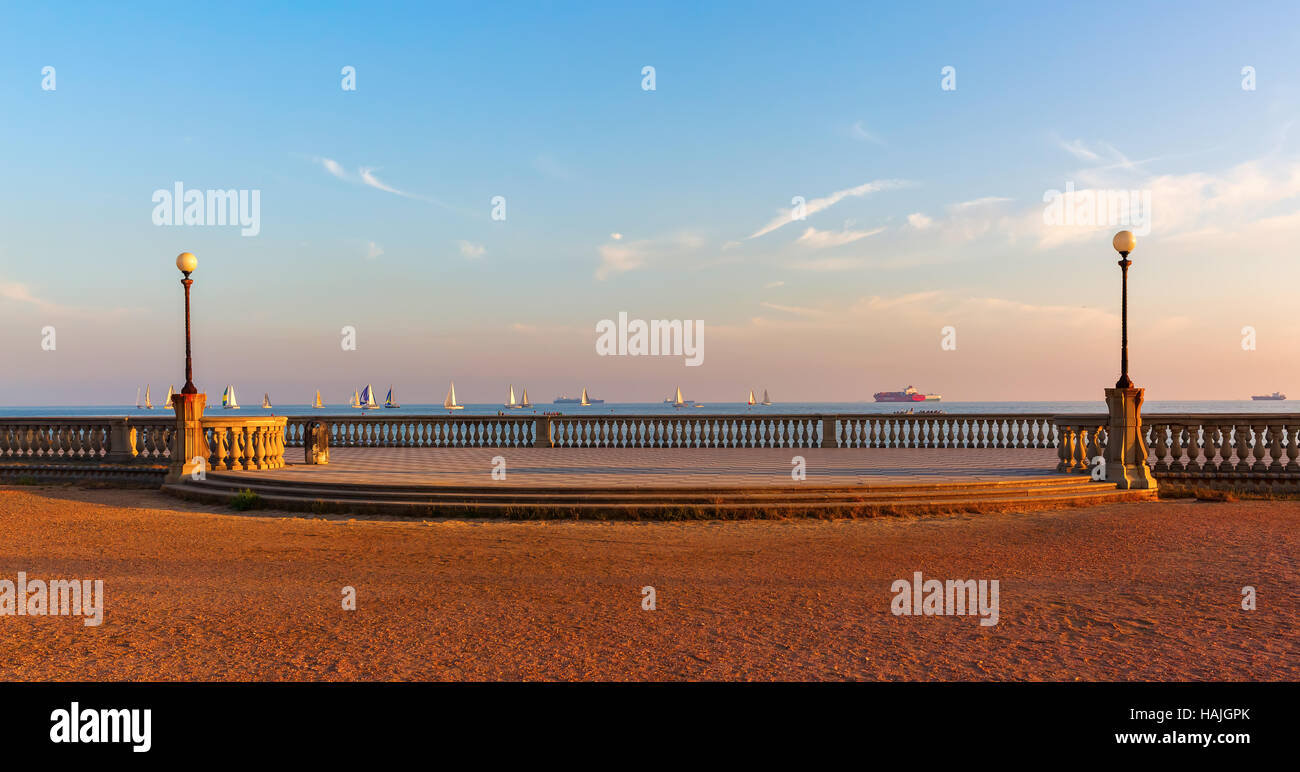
point(664, 503)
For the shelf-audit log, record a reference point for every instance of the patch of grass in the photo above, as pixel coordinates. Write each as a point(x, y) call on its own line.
point(245, 499)
point(1223, 493)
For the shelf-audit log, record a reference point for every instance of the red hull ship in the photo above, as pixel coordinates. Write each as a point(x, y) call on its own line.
point(909, 394)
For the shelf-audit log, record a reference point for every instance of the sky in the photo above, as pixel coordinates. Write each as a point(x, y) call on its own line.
point(922, 255)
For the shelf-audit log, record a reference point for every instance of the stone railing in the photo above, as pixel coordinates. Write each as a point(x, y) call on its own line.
point(386, 431)
point(1258, 447)
point(1210, 446)
point(1082, 438)
point(684, 431)
point(234, 442)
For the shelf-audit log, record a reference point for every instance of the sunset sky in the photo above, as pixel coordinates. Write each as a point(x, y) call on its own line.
point(924, 205)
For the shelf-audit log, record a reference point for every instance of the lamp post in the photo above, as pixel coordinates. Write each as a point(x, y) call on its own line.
point(1124, 243)
point(190, 448)
point(187, 262)
point(1126, 447)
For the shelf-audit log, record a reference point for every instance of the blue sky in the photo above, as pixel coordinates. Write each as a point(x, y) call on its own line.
point(543, 104)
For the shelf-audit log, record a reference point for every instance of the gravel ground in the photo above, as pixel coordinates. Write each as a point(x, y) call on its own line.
point(1144, 591)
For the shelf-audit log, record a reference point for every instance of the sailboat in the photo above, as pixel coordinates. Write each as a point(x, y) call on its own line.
point(751, 397)
point(389, 401)
point(368, 398)
point(526, 403)
point(356, 399)
point(450, 401)
point(170, 393)
point(318, 403)
point(585, 402)
point(266, 400)
point(147, 404)
point(678, 401)
point(138, 406)
point(228, 400)
point(766, 400)
point(512, 402)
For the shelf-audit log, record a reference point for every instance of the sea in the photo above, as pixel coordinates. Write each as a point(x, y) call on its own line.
point(659, 408)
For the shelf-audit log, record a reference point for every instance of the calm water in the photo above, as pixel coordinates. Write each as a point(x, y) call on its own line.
point(658, 408)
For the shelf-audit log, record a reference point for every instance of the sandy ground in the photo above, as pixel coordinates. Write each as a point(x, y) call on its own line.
point(1115, 592)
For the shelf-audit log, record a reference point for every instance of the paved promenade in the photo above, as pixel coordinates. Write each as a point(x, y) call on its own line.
point(670, 468)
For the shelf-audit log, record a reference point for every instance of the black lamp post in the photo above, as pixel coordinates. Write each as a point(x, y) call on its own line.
point(1124, 243)
point(187, 262)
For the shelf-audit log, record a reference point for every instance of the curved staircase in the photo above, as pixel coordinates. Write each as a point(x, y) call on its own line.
point(790, 500)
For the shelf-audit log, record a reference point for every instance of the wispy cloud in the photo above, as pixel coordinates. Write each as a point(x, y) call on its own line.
point(821, 239)
point(826, 202)
point(373, 251)
point(859, 132)
point(471, 250)
point(621, 256)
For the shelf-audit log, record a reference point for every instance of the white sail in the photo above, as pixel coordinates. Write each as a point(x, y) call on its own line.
point(511, 402)
point(368, 397)
point(266, 400)
point(450, 402)
point(318, 402)
point(678, 401)
point(356, 398)
point(766, 400)
point(137, 398)
point(228, 400)
point(585, 401)
point(170, 393)
point(389, 401)
point(147, 404)
point(751, 397)
point(526, 403)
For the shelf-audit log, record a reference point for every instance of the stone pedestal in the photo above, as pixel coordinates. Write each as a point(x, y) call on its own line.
point(189, 442)
point(316, 443)
point(1126, 447)
point(543, 438)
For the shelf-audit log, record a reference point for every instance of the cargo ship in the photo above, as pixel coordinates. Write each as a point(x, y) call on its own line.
point(909, 394)
point(1277, 395)
point(584, 400)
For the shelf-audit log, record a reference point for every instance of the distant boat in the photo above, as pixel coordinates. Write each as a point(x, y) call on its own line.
point(679, 402)
point(766, 399)
point(450, 401)
point(1275, 396)
point(170, 393)
point(318, 403)
point(512, 403)
point(389, 401)
point(368, 398)
point(751, 397)
point(138, 406)
point(584, 400)
point(228, 400)
point(526, 403)
point(910, 394)
point(356, 399)
point(147, 404)
point(266, 401)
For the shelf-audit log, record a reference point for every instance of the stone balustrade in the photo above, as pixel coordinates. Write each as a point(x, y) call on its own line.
point(1214, 446)
point(1081, 439)
point(764, 430)
point(234, 442)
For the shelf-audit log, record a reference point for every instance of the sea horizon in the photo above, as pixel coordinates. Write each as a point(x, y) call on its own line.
point(660, 408)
